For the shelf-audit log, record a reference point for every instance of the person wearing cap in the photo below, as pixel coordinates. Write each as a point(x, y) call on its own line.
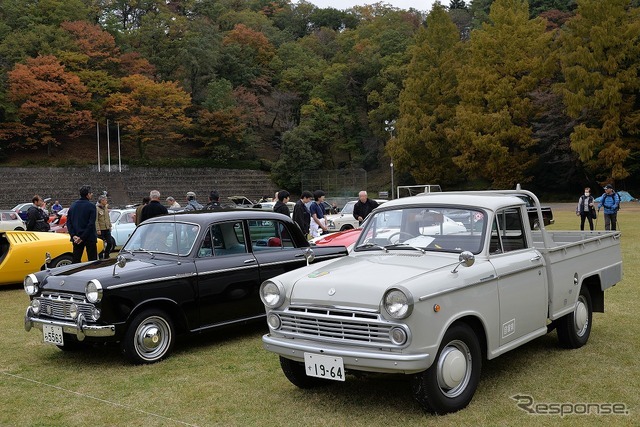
point(192, 203)
point(81, 224)
point(214, 201)
point(172, 203)
point(154, 208)
point(610, 201)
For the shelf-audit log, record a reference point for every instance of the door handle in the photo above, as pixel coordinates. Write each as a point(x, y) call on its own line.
point(249, 261)
point(535, 258)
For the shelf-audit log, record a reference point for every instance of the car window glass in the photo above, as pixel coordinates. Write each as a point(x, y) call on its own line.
point(430, 228)
point(269, 235)
point(507, 232)
point(163, 237)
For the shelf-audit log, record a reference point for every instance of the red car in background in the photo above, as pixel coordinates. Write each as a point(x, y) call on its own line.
point(346, 238)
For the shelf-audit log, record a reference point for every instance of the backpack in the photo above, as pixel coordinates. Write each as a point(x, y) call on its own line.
point(614, 196)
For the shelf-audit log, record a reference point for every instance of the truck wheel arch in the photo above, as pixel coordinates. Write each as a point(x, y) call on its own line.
point(592, 283)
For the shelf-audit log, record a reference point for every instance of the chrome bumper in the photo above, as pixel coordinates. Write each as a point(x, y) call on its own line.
point(361, 360)
point(80, 328)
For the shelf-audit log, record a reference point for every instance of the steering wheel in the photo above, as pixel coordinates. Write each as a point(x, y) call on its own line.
point(400, 234)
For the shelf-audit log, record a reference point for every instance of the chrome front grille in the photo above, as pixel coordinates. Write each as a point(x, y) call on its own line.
point(57, 306)
point(337, 325)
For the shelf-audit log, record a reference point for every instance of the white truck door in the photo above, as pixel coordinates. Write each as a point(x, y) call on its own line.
point(522, 282)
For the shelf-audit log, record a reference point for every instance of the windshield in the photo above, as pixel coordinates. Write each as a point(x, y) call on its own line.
point(163, 237)
point(348, 208)
point(432, 228)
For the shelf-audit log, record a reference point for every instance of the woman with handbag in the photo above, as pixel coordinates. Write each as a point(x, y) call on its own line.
point(585, 208)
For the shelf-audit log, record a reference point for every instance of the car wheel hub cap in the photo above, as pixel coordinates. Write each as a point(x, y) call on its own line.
point(453, 368)
point(151, 337)
point(581, 318)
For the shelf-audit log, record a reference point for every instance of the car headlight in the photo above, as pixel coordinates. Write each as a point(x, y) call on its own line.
point(398, 303)
point(272, 293)
point(93, 291)
point(31, 285)
point(35, 306)
point(73, 310)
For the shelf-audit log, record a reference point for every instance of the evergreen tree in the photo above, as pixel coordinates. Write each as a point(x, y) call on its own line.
point(427, 104)
point(599, 53)
point(507, 60)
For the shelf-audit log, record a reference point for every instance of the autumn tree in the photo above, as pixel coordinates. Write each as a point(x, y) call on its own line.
point(427, 104)
point(599, 50)
point(507, 60)
point(49, 103)
point(149, 112)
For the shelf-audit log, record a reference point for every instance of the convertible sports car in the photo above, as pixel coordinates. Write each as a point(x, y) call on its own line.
point(180, 273)
point(24, 252)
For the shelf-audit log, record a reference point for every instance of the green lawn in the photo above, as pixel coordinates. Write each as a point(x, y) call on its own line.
point(227, 379)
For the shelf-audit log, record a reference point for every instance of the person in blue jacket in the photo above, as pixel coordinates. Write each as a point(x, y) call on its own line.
point(81, 223)
point(610, 201)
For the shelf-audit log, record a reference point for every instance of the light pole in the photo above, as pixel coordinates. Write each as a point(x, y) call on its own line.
point(390, 126)
point(392, 191)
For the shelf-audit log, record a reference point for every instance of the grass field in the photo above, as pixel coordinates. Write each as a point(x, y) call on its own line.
point(226, 378)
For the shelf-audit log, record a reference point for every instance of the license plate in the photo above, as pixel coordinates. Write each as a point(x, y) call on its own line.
point(328, 367)
point(53, 334)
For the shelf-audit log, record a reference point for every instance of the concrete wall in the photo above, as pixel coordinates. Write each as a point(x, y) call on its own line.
point(18, 185)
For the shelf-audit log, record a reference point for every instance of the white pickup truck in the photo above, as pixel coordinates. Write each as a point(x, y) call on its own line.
point(436, 284)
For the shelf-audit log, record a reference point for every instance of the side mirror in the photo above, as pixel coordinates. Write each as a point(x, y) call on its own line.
point(466, 258)
point(47, 259)
point(121, 261)
point(309, 255)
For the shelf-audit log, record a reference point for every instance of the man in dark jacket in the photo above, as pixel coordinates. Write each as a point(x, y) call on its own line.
point(363, 206)
point(154, 208)
point(281, 204)
point(81, 223)
point(37, 219)
point(214, 201)
point(301, 214)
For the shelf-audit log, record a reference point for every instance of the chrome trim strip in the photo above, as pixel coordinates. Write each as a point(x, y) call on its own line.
point(141, 282)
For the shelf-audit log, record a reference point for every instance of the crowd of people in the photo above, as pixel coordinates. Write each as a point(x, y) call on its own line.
point(86, 221)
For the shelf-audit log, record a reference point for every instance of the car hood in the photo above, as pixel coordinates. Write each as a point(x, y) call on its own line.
point(73, 278)
point(360, 281)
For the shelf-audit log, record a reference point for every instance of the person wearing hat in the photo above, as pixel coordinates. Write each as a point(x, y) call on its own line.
point(81, 224)
point(192, 203)
point(214, 201)
point(610, 201)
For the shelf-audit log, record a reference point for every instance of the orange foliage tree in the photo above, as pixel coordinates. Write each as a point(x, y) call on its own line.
point(149, 112)
point(49, 104)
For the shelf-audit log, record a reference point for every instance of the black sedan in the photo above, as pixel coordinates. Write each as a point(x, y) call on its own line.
point(179, 273)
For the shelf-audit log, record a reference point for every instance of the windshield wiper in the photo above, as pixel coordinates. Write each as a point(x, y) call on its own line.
point(367, 246)
point(404, 246)
point(147, 251)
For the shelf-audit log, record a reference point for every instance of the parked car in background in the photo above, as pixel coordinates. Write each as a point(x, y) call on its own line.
point(59, 218)
point(123, 222)
point(534, 222)
point(346, 238)
point(241, 201)
point(10, 220)
point(25, 252)
point(181, 273)
point(21, 209)
point(268, 206)
point(344, 220)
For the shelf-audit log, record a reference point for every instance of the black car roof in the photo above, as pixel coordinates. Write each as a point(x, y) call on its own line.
point(224, 214)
